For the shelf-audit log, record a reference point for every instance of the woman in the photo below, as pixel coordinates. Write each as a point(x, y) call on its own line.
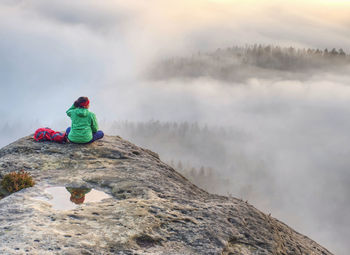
point(84, 124)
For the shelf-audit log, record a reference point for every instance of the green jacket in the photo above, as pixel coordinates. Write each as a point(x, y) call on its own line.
point(84, 123)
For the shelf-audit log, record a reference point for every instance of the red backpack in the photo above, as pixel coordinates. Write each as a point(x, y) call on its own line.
point(47, 134)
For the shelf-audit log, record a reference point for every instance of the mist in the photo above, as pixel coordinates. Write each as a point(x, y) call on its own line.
point(281, 145)
point(277, 139)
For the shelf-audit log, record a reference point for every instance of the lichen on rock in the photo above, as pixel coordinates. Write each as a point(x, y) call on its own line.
point(152, 209)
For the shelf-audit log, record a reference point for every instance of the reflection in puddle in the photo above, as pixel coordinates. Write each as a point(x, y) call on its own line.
point(77, 195)
point(67, 198)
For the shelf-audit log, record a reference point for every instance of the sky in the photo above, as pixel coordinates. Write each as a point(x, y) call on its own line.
point(52, 52)
point(59, 50)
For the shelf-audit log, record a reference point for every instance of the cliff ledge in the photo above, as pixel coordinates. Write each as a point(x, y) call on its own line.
point(152, 209)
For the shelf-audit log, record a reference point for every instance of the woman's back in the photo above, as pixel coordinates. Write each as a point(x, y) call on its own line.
point(84, 124)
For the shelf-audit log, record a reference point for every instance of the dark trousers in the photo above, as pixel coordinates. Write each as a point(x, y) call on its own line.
point(95, 136)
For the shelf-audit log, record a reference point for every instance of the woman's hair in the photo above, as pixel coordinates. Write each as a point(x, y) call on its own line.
point(82, 102)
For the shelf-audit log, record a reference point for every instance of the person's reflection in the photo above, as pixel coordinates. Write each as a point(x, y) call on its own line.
point(78, 194)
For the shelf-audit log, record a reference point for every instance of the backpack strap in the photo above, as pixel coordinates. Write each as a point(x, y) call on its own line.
point(44, 134)
point(58, 134)
point(37, 136)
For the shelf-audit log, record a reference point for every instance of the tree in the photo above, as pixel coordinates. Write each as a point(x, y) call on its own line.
point(334, 52)
point(325, 52)
point(179, 165)
point(341, 52)
point(202, 171)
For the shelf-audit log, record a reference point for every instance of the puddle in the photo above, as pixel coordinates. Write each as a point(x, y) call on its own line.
point(68, 198)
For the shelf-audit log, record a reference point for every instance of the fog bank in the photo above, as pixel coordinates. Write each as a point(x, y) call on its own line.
point(287, 145)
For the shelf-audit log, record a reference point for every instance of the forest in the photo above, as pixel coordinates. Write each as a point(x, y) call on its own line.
point(206, 155)
point(237, 64)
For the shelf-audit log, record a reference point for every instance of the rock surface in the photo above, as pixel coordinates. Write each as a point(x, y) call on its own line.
point(152, 208)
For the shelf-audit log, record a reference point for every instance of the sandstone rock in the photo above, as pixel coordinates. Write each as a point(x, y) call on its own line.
point(152, 208)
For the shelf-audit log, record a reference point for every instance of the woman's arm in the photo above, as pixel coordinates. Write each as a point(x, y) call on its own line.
point(94, 125)
point(69, 111)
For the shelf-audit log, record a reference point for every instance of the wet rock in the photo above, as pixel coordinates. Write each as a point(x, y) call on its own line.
point(152, 209)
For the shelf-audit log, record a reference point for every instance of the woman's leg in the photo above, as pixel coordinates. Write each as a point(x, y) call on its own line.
point(98, 135)
point(67, 133)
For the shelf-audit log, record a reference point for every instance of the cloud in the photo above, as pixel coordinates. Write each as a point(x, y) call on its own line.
point(90, 14)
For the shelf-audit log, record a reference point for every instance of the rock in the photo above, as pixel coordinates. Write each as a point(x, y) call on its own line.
point(152, 208)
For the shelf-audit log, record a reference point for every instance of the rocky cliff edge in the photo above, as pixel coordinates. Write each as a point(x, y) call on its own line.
point(152, 209)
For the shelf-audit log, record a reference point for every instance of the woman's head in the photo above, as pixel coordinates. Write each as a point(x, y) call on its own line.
point(82, 102)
